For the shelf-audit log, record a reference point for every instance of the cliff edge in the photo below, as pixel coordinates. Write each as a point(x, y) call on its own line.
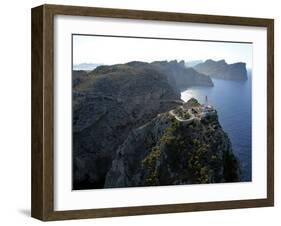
point(168, 151)
point(221, 70)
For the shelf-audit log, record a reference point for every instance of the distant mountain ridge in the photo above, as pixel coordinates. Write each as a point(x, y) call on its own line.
point(180, 76)
point(193, 63)
point(85, 66)
point(221, 70)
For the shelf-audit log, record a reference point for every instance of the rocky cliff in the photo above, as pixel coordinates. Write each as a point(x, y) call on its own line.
point(221, 70)
point(166, 151)
point(107, 104)
point(180, 76)
point(78, 77)
point(111, 103)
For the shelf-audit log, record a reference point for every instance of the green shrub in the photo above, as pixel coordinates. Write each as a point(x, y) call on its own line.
point(150, 163)
point(182, 113)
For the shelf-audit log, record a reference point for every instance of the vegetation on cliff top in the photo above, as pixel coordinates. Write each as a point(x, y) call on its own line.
point(191, 155)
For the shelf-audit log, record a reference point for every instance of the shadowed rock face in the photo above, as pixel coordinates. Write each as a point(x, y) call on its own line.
point(179, 76)
point(107, 105)
point(78, 77)
point(110, 103)
point(166, 151)
point(222, 70)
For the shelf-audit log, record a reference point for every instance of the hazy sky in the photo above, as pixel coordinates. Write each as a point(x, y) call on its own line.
point(113, 50)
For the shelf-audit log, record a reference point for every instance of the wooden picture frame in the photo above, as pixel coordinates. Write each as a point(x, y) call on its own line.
point(42, 205)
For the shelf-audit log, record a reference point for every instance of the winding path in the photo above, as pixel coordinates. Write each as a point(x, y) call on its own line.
point(185, 121)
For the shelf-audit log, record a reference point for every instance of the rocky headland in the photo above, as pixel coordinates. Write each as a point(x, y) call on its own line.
point(124, 129)
point(180, 76)
point(221, 70)
point(169, 151)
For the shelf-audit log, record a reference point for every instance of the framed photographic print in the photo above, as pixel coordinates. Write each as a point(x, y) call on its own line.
point(142, 112)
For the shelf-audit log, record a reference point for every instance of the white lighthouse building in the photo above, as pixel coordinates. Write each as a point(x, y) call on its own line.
point(206, 101)
point(207, 107)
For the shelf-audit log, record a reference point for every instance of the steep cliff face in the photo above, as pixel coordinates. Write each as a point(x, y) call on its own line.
point(222, 70)
point(192, 63)
point(180, 76)
point(166, 151)
point(107, 104)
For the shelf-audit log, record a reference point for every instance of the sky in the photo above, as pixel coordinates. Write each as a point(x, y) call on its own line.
point(115, 50)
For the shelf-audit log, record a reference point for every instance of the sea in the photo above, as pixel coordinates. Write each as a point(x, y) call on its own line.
point(233, 102)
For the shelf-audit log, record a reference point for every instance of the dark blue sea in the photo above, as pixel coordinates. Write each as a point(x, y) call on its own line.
point(233, 102)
